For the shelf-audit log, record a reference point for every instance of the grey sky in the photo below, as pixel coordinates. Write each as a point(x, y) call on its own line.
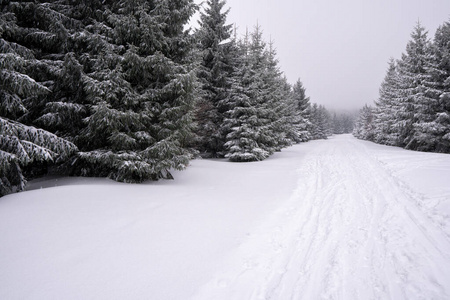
point(338, 48)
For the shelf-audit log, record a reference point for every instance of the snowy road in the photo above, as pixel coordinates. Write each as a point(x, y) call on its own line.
point(351, 230)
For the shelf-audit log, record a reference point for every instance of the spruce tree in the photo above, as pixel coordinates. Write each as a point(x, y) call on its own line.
point(217, 58)
point(290, 114)
point(364, 127)
point(435, 129)
point(254, 119)
point(275, 101)
point(142, 96)
point(386, 127)
point(121, 81)
point(263, 132)
point(412, 110)
point(241, 119)
point(321, 126)
point(416, 99)
point(303, 105)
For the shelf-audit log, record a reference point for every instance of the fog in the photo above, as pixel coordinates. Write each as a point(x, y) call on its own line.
point(339, 49)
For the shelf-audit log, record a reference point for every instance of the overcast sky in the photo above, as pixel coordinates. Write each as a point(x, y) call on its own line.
point(338, 48)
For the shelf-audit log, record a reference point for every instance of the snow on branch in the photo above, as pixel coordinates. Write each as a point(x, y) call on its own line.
point(29, 143)
point(21, 84)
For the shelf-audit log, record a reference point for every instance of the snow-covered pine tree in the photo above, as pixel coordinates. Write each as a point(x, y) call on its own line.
point(321, 125)
point(142, 99)
point(313, 114)
point(290, 115)
point(314, 119)
point(386, 128)
point(253, 119)
point(86, 43)
point(303, 104)
point(417, 98)
point(275, 98)
point(328, 121)
point(217, 59)
point(413, 111)
point(262, 131)
point(364, 127)
point(241, 117)
point(121, 81)
point(434, 131)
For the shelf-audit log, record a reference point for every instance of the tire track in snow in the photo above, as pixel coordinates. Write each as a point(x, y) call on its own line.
point(349, 231)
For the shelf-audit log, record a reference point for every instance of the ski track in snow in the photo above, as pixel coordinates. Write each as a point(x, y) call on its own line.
point(351, 230)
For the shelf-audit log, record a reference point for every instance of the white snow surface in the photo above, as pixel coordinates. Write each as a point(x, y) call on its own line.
point(334, 219)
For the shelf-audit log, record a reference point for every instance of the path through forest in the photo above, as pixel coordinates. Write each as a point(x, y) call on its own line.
point(351, 230)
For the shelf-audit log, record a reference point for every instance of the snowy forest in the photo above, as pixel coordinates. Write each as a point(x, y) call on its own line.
point(151, 150)
point(413, 108)
point(123, 89)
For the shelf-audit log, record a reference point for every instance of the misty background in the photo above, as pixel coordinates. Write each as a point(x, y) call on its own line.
point(339, 49)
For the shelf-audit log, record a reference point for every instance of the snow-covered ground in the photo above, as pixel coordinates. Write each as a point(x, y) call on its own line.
point(335, 219)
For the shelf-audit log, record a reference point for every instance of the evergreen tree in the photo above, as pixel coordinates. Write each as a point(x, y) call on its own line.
point(258, 121)
point(434, 131)
point(292, 124)
point(364, 127)
point(412, 110)
point(241, 120)
point(120, 80)
point(314, 118)
point(263, 101)
point(275, 102)
point(140, 118)
point(302, 123)
point(321, 126)
point(217, 51)
point(386, 129)
point(417, 98)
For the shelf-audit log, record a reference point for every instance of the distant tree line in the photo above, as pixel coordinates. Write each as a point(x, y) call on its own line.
point(413, 109)
point(121, 89)
point(344, 122)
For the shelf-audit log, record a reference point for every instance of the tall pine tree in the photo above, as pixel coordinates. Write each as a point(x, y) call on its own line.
point(386, 129)
point(435, 129)
point(364, 126)
point(415, 99)
point(302, 123)
point(141, 108)
point(241, 119)
point(255, 121)
point(217, 60)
